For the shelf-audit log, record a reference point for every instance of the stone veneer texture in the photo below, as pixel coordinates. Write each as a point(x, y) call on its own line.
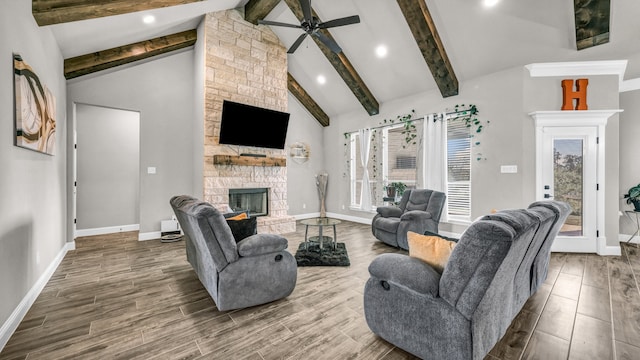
point(246, 64)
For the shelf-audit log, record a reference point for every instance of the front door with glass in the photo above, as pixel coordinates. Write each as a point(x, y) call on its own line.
point(569, 173)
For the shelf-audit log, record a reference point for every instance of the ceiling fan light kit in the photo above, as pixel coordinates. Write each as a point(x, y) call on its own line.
point(311, 26)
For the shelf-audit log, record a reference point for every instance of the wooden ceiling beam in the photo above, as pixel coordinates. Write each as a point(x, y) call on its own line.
point(256, 10)
point(424, 31)
point(342, 65)
point(49, 12)
point(314, 109)
point(592, 22)
point(105, 59)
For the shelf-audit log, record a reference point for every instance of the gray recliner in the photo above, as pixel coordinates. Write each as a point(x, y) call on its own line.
point(255, 271)
point(419, 211)
point(461, 313)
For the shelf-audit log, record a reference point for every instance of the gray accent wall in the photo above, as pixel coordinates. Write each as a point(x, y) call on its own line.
point(108, 167)
point(33, 193)
point(162, 91)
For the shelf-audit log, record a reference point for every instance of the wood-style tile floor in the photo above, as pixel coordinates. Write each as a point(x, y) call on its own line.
point(117, 298)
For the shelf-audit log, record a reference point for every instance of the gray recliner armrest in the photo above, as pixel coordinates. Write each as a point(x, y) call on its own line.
point(260, 244)
point(403, 270)
point(415, 215)
point(389, 211)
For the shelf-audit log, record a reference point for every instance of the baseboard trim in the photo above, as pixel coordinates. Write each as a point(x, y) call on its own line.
point(107, 230)
point(12, 323)
point(306, 216)
point(354, 219)
point(154, 235)
point(625, 238)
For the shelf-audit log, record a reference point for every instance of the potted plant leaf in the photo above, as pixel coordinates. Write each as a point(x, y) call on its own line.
point(399, 186)
point(633, 197)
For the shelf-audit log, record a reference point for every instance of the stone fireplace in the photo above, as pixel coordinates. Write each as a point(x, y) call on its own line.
point(246, 64)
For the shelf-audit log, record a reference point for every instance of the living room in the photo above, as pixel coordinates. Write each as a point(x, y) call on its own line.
point(169, 92)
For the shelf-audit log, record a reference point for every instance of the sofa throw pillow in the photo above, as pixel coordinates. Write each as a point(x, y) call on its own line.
point(241, 216)
point(432, 249)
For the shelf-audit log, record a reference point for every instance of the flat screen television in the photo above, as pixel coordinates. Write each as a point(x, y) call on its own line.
point(248, 125)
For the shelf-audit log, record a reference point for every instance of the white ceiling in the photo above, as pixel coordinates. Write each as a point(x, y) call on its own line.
point(478, 41)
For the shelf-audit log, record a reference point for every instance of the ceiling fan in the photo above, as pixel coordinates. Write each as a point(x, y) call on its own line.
point(310, 25)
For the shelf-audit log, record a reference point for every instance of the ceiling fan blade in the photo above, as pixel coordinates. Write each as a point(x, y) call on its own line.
point(340, 22)
point(306, 9)
point(331, 44)
point(275, 23)
point(296, 44)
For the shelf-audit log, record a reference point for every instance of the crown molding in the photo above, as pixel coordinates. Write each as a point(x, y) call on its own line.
point(581, 68)
point(573, 117)
point(609, 67)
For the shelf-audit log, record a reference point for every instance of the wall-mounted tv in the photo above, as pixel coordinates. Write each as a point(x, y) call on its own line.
point(248, 125)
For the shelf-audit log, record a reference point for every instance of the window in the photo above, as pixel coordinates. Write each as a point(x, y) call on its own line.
point(405, 162)
point(391, 159)
point(356, 172)
point(458, 170)
point(399, 158)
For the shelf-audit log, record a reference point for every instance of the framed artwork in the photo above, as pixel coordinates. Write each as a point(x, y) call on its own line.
point(35, 110)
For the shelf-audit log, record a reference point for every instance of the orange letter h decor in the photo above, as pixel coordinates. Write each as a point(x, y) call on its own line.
point(580, 94)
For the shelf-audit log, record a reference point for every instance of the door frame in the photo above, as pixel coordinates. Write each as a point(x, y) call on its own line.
point(587, 242)
point(578, 118)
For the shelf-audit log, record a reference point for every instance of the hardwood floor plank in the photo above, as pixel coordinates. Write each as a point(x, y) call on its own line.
point(574, 264)
point(515, 340)
point(623, 282)
point(594, 302)
point(557, 317)
point(568, 286)
point(543, 346)
point(596, 273)
point(625, 351)
point(591, 339)
point(626, 322)
point(537, 301)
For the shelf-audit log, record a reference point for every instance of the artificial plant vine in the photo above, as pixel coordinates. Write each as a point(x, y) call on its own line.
point(470, 117)
point(409, 128)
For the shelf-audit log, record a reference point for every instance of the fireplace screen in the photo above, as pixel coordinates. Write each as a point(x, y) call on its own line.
point(254, 201)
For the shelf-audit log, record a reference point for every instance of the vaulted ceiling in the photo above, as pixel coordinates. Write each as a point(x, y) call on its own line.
point(432, 44)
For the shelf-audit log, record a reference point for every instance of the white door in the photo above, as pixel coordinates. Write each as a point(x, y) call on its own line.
point(568, 168)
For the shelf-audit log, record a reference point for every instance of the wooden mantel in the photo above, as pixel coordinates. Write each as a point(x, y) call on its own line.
point(249, 160)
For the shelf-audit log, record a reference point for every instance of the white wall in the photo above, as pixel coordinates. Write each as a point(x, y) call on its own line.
point(629, 163)
point(302, 194)
point(108, 167)
point(499, 100)
point(32, 185)
point(162, 91)
point(504, 98)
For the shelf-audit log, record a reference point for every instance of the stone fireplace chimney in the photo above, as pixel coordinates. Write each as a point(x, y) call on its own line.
point(246, 64)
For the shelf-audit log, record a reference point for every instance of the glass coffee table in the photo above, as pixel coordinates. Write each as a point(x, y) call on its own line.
point(320, 222)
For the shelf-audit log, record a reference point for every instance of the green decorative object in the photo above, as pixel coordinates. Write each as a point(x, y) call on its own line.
point(633, 197)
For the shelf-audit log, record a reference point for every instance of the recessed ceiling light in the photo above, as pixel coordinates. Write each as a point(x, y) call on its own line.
point(321, 79)
point(490, 3)
point(149, 19)
point(381, 51)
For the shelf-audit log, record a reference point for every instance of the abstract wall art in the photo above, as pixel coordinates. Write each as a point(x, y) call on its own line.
point(35, 110)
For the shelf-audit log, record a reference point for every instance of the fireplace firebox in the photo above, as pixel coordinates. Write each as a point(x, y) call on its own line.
point(255, 201)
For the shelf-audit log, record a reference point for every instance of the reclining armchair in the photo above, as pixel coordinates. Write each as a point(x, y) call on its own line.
point(254, 271)
point(419, 211)
point(462, 312)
